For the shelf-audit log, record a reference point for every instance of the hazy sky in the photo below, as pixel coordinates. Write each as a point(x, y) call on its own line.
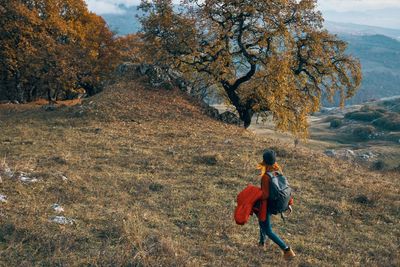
point(110, 6)
point(359, 6)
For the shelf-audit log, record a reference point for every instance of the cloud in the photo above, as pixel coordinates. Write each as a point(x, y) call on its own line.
point(357, 5)
point(109, 6)
point(112, 6)
point(103, 7)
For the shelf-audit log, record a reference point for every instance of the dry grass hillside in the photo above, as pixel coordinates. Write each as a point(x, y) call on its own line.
point(148, 180)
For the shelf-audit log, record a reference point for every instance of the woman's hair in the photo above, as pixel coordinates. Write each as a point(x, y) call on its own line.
point(269, 157)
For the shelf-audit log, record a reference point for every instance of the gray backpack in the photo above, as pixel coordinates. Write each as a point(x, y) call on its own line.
point(279, 193)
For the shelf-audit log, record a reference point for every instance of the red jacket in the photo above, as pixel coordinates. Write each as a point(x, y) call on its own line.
point(245, 203)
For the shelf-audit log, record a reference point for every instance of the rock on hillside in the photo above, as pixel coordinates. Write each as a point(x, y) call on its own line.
point(152, 181)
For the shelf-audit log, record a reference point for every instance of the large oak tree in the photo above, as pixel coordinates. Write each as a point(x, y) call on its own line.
point(264, 55)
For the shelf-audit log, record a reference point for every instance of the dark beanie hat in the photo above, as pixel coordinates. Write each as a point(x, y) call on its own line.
point(269, 157)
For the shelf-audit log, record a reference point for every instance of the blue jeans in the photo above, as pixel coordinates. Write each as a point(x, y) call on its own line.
point(266, 230)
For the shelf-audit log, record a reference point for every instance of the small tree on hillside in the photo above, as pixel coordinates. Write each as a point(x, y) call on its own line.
point(265, 55)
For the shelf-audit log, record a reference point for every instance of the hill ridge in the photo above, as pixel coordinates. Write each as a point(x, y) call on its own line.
point(152, 181)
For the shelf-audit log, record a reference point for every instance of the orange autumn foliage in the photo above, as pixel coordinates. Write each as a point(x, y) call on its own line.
point(130, 48)
point(52, 49)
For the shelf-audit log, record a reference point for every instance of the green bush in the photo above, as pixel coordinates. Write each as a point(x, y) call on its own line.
point(364, 115)
point(393, 137)
point(363, 199)
point(396, 169)
point(373, 108)
point(363, 132)
point(390, 122)
point(392, 105)
point(156, 187)
point(336, 123)
point(365, 108)
point(378, 165)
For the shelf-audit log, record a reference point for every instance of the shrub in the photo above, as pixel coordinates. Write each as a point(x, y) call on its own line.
point(208, 159)
point(373, 108)
point(393, 137)
point(156, 187)
point(365, 108)
point(364, 115)
point(363, 199)
point(336, 123)
point(167, 86)
point(381, 110)
point(330, 118)
point(7, 229)
point(363, 132)
point(396, 169)
point(392, 105)
point(390, 122)
point(378, 165)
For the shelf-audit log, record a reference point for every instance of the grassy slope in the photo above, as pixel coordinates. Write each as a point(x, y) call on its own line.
point(152, 181)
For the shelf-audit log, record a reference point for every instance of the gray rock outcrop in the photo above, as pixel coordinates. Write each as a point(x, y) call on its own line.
point(229, 118)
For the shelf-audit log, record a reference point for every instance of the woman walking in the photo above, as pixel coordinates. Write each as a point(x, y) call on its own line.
point(269, 164)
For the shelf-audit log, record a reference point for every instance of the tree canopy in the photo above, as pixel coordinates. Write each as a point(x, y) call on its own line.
point(263, 55)
point(52, 48)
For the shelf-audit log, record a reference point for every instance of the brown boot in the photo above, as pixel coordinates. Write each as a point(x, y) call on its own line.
point(288, 254)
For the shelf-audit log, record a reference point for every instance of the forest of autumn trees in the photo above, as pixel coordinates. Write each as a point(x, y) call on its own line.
point(53, 49)
point(261, 55)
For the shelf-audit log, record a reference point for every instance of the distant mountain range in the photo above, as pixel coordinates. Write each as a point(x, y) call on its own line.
point(357, 29)
point(377, 48)
point(379, 52)
point(385, 18)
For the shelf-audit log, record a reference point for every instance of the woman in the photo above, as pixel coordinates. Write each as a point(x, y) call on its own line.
point(269, 165)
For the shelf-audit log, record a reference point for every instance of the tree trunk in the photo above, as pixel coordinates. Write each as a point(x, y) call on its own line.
point(18, 87)
point(244, 109)
point(55, 95)
point(49, 94)
point(32, 93)
point(247, 116)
